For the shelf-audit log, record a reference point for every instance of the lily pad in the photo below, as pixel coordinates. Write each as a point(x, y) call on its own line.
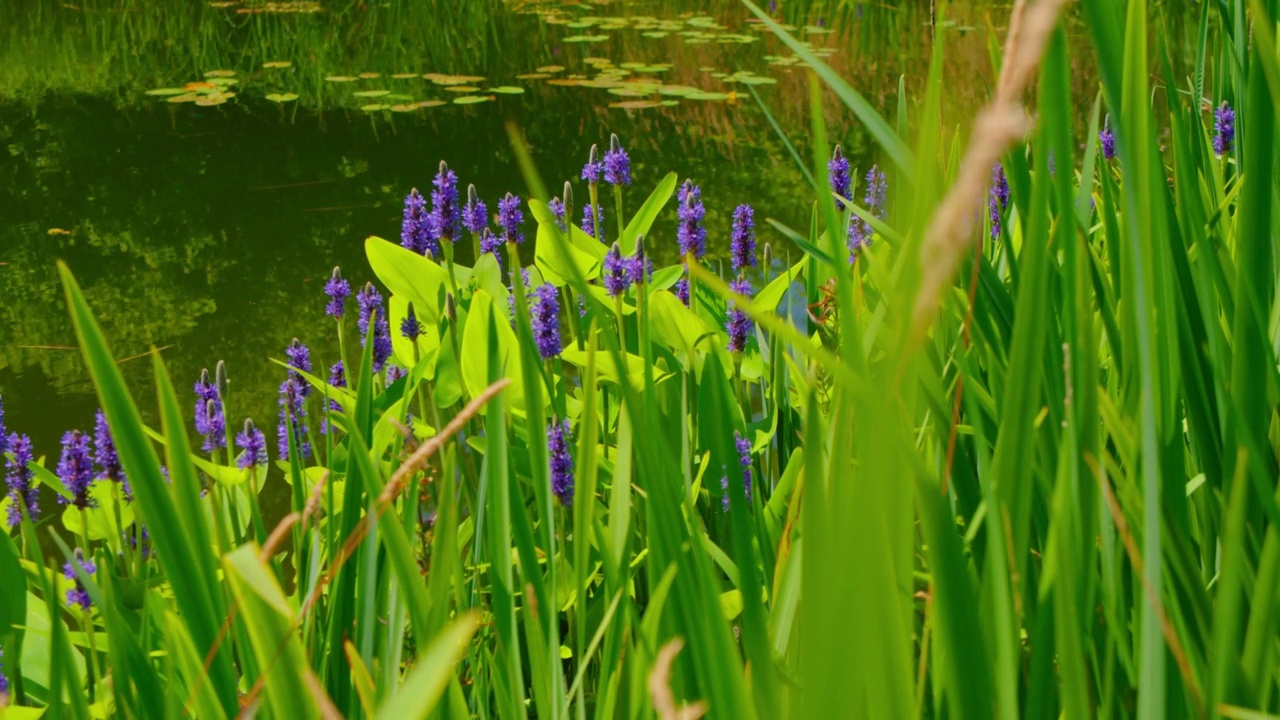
point(430, 103)
point(636, 104)
point(656, 34)
point(369, 75)
point(410, 107)
point(551, 69)
point(703, 95)
point(282, 97)
point(586, 38)
point(277, 64)
point(184, 98)
point(534, 76)
point(629, 91)
point(224, 81)
point(755, 80)
point(220, 73)
point(370, 93)
point(471, 99)
point(167, 91)
point(678, 90)
point(340, 78)
point(375, 107)
point(405, 76)
point(209, 100)
point(507, 90)
point(461, 88)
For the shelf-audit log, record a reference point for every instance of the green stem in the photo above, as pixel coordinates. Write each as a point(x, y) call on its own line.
point(617, 201)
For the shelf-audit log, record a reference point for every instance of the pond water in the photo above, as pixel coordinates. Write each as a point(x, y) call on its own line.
point(202, 166)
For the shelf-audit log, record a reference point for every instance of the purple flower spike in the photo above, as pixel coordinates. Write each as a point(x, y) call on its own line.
point(681, 290)
point(76, 470)
point(545, 320)
point(338, 291)
point(556, 206)
point(742, 242)
point(691, 234)
point(445, 217)
point(877, 192)
point(490, 243)
point(337, 378)
point(77, 595)
point(417, 230)
point(510, 218)
point(737, 324)
point(475, 216)
point(561, 460)
point(371, 310)
point(253, 446)
point(839, 178)
point(1224, 129)
point(4, 435)
point(299, 356)
point(592, 170)
point(410, 327)
point(617, 166)
point(210, 421)
point(999, 199)
point(18, 477)
point(105, 455)
point(617, 272)
point(743, 446)
point(1108, 140)
point(394, 373)
point(292, 410)
point(589, 221)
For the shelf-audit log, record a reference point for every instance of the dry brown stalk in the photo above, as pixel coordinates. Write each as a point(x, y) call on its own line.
point(664, 702)
point(997, 128)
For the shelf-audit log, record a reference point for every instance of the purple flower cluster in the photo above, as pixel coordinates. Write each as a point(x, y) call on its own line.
point(292, 411)
point(592, 170)
point(211, 424)
point(999, 199)
point(556, 206)
point(1108, 140)
point(299, 356)
point(417, 229)
point(253, 447)
point(446, 219)
point(4, 436)
point(18, 477)
point(681, 290)
point(475, 216)
point(492, 244)
point(742, 240)
point(691, 234)
point(544, 315)
point(838, 176)
point(105, 455)
point(337, 378)
point(737, 324)
point(78, 596)
point(410, 327)
point(372, 311)
point(589, 221)
point(618, 271)
point(338, 291)
point(743, 445)
point(561, 460)
point(510, 217)
point(617, 166)
point(75, 469)
point(394, 373)
point(875, 198)
point(1224, 129)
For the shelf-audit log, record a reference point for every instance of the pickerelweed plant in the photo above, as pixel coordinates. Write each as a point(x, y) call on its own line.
point(998, 442)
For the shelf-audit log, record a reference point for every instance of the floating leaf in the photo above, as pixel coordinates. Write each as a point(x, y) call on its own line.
point(404, 108)
point(224, 81)
point(678, 90)
point(340, 78)
point(404, 76)
point(441, 79)
point(220, 73)
point(533, 76)
point(586, 38)
point(640, 104)
point(566, 82)
point(370, 75)
point(167, 91)
point(507, 90)
point(277, 64)
point(370, 93)
point(59, 231)
point(630, 91)
point(210, 100)
point(461, 88)
point(707, 96)
point(471, 99)
point(551, 69)
point(282, 97)
point(430, 103)
point(188, 97)
point(199, 87)
point(375, 107)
